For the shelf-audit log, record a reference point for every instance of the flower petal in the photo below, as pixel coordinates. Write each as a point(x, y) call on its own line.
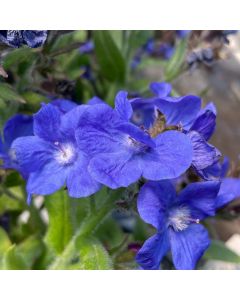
point(98, 130)
point(31, 152)
point(204, 154)
point(47, 180)
point(17, 126)
point(115, 169)
point(229, 191)
point(201, 198)
point(153, 201)
point(70, 121)
point(123, 106)
point(188, 246)
point(180, 111)
point(205, 124)
point(144, 112)
point(47, 123)
point(160, 89)
point(79, 181)
point(152, 252)
point(169, 159)
point(137, 134)
point(95, 100)
point(64, 105)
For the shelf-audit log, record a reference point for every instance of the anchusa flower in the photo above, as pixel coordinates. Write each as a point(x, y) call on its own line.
point(18, 126)
point(122, 152)
point(53, 156)
point(18, 38)
point(162, 113)
point(177, 219)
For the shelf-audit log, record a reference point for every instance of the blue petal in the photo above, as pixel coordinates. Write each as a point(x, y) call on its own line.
point(153, 201)
point(47, 123)
point(205, 124)
point(144, 112)
point(229, 190)
point(225, 166)
point(64, 105)
point(212, 172)
point(70, 121)
point(48, 179)
point(161, 89)
point(152, 252)
point(204, 154)
point(200, 197)
point(17, 126)
point(137, 134)
point(98, 130)
point(79, 181)
point(123, 106)
point(169, 159)
point(31, 152)
point(188, 246)
point(95, 100)
point(210, 106)
point(115, 169)
point(180, 111)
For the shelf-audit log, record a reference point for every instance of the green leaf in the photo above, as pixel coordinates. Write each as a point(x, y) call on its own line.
point(5, 243)
point(8, 94)
point(110, 59)
point(89, 255)
point(12, 260)
point(30, 250)
point(175, 64)
point(18, 56)
point(85, 231)
point(65, 40)
point(60, 228)
point(9, 204)
point(218, 251)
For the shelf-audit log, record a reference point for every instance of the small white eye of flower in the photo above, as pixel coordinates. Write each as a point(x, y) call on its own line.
point(180, 218)
point(65, 153)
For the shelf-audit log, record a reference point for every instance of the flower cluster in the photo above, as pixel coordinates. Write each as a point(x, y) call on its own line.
point(18, 38)
point(157, 139)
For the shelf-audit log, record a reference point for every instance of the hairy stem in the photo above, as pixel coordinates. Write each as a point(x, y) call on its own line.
point(86, 229)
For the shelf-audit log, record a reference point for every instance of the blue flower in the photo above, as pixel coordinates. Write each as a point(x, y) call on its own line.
point(230, 186)
point(63, 105)
point(53, 156)
point(182, 113)
point(87, 47)
point(177, 220)
point(122, 152)
point(17, 126)
point(18, 38)
point(166, 50)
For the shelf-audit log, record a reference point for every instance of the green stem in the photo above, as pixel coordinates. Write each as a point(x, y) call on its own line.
point(86, 229)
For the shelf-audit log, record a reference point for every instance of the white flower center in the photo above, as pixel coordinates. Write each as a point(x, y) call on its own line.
point(180, 218)
point(65, 153)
